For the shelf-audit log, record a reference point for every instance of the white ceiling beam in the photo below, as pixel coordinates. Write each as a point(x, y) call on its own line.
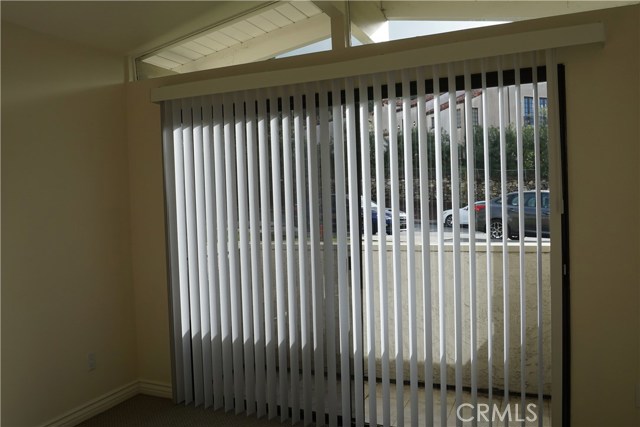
point(340, 28)
point(368, 22)
point(362, 19)
point(266, 46)
point(488, 10)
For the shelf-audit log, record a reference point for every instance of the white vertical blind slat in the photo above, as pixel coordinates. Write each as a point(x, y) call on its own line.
point(554, 126)
point(369, 281)
point(265, 219)
point(211, 251)
point(172, 242)
point(471, 196)
point(425, 260)
point(223, 259)
point(317, 294)
point(505, 248)
point(199, 132)
point(356, 241)
point(397, 268)
point(232, 239)
point(455, 206)
point(303, 278)
point(539, 311)
point(341, 230)
point(292, 277)
point(382, 250)
point(442, 357)
point(188, 134)
point(328, 255)
point(178, 157)
point(521, 225)
point(487, 198)
point(411, 271)
point(556, 197)
point(245, 255)
point(281, 303)
point(257, 393)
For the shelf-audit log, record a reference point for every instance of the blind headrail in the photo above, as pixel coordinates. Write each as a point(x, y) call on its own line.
point(391, 60)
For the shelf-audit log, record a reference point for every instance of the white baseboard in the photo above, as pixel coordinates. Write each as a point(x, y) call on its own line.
point(109, 400)
point(154, 388)
point(96, 406)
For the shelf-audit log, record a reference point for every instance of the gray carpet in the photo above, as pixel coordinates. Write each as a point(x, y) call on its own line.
point(148, 411)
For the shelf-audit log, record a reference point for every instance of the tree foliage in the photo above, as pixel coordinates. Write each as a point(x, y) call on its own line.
point(494, 151)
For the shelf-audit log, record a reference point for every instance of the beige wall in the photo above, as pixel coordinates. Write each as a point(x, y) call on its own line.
point(66, 271)
point(603, 149)
point(602, 109)
point(147, 234)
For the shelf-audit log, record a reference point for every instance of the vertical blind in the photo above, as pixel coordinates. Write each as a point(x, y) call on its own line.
point(312, 276)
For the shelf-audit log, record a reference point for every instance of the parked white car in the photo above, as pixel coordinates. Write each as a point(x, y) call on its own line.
point(447, 216)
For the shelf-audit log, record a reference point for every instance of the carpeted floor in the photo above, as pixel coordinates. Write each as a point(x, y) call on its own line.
point(148, 411)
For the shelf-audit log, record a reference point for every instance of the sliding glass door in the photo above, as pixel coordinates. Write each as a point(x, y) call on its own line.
point(371, 249)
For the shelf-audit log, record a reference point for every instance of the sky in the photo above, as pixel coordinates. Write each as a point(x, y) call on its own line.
point(402, 30)
point(406, 29)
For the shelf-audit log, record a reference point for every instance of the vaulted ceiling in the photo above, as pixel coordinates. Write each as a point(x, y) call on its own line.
point(141, 27)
